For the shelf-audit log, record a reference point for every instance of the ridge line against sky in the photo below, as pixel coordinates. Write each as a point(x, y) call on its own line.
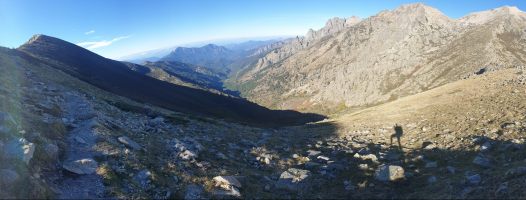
point(115, 28)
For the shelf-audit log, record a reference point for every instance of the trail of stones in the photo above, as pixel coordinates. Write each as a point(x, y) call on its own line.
point(79, 179)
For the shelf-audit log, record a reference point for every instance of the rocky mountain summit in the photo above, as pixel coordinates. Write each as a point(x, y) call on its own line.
point(387, 56)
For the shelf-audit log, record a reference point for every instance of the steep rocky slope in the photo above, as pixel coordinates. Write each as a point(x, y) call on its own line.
point(387, 56)
point(281, 50)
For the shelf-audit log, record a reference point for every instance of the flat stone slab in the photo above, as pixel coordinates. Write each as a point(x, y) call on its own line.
point(227, 180)
point(292, 179)
point(129, 143)
point(82, 166)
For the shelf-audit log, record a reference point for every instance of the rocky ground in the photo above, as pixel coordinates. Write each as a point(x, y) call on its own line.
point(61, 138)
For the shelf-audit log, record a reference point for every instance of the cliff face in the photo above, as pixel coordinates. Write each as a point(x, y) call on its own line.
point(281, 50)
point(392, 54)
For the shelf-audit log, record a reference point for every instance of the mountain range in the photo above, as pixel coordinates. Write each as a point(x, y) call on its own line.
point(358, 63)
point(406, 104)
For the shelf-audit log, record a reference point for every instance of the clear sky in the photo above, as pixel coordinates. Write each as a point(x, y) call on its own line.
point(115, 28)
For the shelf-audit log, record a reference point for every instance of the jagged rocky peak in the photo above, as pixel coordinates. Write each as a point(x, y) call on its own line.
point(332, 26)
point(412, 15)
point(39, 38)
point(352, 20)
point(34, 38)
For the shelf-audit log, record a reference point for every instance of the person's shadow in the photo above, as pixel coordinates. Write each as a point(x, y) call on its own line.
point(398, 134)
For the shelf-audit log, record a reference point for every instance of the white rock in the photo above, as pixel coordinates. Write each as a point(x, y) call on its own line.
point(313, 152)
point(226, 180)
point(29, 150)
point(292, 178)
point(188, 155)
point(390, 173)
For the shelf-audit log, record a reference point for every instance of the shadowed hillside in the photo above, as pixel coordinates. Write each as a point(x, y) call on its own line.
point(117, 78)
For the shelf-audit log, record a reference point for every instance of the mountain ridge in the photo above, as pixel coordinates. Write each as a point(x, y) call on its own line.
point(381, 58)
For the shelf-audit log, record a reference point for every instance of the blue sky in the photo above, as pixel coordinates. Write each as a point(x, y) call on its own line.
point(114, 28)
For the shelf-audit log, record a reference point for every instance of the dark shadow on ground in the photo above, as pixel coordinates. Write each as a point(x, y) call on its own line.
point(429, 172)
point(398, 133)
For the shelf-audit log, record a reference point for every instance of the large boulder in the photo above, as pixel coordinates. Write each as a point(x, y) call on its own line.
point(390, 173)
point(82, 166)
point(293, 179)
point(226, 187)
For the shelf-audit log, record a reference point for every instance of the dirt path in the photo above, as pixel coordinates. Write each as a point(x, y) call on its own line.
point(81, 143)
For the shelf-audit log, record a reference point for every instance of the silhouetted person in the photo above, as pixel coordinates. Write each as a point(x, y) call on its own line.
point(398, 134)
